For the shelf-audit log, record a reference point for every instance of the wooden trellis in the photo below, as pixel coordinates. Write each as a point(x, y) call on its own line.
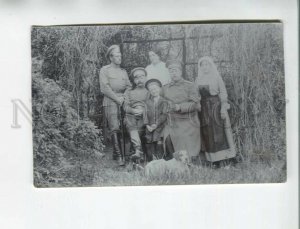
point(184, 47)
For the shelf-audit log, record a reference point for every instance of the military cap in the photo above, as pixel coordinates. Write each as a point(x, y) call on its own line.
point(174, 62)
point(152, 81)
point(110, 49)
point(136, 69)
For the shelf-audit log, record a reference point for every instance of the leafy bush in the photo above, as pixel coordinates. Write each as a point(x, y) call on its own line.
point(65, 147)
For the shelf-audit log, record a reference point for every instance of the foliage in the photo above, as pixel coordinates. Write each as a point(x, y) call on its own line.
point(256, 80)
point(64, 145)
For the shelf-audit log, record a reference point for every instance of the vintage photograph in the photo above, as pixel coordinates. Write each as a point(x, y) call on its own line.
point(158, 104)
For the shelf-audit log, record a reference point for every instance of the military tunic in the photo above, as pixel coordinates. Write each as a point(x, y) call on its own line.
point(183, 126)
point(135, 99)
point(113, 83)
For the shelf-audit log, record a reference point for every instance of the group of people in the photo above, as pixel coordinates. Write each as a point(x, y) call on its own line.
point(163, 113)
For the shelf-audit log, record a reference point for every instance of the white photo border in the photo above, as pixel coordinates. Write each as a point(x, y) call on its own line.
point(192, 206)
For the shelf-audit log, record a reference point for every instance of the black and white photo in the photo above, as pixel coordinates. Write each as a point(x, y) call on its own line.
point(158, 104)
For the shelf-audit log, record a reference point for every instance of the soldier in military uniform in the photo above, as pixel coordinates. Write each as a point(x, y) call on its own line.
point(113, 83)
point(182, 130)
point(134, 107)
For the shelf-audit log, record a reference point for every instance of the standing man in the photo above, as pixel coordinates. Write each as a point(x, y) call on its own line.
point(113, 83)
point(182, 131)
point(135, 108)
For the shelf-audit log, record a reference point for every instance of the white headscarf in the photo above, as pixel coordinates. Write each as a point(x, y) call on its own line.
point(213, 79)
point(206, 78)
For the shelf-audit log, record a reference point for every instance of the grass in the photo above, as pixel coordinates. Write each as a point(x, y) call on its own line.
point(104, 171)
point(108, 174)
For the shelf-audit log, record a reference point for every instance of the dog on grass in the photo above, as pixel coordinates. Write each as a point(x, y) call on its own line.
point(176, 167)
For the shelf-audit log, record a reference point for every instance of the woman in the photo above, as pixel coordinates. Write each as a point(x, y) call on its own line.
point(216, 134)
point(182, 130)
point(157, 69)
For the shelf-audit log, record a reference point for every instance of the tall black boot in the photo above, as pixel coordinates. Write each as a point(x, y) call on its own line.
point(169, 148)
point(117, 151)
point(160, 150)
point(150, 151)
point(138, 154)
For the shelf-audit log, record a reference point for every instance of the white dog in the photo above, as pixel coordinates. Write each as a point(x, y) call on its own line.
point(178, 166)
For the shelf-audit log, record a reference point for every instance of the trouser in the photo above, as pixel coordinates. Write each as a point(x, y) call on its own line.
point(169, 148)
point(135, 139)
point(138, 142)
point(154, 149)
point(112, 115)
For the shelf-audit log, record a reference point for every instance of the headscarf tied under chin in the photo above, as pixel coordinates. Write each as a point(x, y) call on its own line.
point(213, 79)
point(212, 75)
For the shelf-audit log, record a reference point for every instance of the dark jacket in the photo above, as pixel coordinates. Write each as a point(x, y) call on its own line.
point(156, 114)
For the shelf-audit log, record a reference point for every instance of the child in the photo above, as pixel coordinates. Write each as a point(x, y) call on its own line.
point(156, 112)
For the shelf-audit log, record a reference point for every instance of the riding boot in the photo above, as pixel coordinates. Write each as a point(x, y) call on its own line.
point(138, 154)
point(160, 150)
point(137, 145)
point(150, 150)
point(114, 154)
point(169, 148)
point(116, 149)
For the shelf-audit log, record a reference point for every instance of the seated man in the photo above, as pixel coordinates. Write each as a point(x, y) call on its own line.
point(134, 106)
point(156, 118)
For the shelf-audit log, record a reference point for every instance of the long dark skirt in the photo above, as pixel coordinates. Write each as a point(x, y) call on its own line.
point(213, 132)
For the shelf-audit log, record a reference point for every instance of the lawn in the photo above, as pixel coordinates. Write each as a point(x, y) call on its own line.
point(103, 171)
point(108, 173)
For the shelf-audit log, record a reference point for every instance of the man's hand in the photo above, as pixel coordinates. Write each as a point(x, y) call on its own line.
point(121, 100)
point(137, 112)
point(153, 126)
point(149, 128)
point(177, 107)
